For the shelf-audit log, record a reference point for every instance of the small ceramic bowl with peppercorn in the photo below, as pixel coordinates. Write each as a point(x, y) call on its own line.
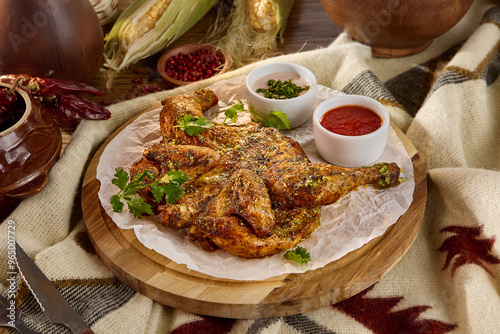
point(284, 88)
point(192, 62)
point(351, 130)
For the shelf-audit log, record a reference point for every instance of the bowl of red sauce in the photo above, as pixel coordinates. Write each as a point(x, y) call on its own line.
point(351, 130)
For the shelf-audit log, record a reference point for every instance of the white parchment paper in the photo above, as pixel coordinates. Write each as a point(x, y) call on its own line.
point(347, 225)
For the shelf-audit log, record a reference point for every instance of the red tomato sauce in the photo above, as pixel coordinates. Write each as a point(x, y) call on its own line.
point(351, 120)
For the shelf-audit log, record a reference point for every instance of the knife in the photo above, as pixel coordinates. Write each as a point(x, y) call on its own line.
point(56, 308)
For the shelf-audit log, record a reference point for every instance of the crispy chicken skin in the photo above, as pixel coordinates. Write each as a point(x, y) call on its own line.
point(232, 234)
point(177, 106)
point(245, 196)
point(252, 191)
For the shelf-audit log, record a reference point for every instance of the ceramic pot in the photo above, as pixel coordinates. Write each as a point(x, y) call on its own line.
point(28, 149)
point(396, 28)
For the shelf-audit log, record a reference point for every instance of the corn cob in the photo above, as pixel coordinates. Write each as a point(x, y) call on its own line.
point(254, 26)
point(262, 15)
point(148, 26)
point(268, 15)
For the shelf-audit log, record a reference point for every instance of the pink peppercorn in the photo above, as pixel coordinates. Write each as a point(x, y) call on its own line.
point(194, 66)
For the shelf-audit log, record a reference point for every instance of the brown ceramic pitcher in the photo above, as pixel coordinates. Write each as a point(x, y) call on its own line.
point(28, 149)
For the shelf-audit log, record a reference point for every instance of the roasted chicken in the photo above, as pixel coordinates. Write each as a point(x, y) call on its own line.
point(251, 191)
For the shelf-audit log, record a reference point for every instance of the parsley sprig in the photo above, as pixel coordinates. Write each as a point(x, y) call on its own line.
point(167, 187)
point(276, 119)
point(299, 255)
point(281, 90)
point(194, 126)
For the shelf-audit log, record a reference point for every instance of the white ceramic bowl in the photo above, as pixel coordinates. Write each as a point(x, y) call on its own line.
point(350, 151)
point(298, 109)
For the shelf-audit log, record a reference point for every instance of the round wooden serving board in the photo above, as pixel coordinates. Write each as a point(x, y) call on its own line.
point(169, 283)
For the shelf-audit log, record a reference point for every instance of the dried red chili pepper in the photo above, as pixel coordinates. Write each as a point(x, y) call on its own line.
point(72, 106)
point(47, 87)
point(62, 121)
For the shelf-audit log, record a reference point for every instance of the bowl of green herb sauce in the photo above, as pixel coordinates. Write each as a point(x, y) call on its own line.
point(282, 87)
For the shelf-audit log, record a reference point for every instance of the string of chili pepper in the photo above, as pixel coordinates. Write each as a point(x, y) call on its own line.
point(59, 98)
point(48, 87)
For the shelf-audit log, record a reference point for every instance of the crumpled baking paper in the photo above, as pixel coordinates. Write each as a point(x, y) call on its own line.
point(347, 225)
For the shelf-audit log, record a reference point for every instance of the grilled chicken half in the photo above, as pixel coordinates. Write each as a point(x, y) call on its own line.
point(251, 191)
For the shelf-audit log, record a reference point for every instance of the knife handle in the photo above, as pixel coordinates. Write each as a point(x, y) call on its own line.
point(87, 331)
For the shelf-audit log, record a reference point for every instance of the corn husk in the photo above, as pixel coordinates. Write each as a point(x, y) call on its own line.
point(246, 40)
point(107, 10)
point(147, 27)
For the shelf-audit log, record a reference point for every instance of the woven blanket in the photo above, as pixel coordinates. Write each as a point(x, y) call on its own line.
point(445, 99)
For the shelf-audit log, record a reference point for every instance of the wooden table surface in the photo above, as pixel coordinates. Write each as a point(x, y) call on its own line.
point(308, 28)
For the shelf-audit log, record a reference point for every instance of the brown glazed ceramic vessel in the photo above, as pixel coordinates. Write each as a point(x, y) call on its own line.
point(28, 149)
point(396, 28)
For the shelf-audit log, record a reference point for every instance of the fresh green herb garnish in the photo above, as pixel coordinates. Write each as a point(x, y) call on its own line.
point(232, 112)
point(192, 125)
point(167, 187)
point(299, 255)
point(281, 90)
point(276, 119)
